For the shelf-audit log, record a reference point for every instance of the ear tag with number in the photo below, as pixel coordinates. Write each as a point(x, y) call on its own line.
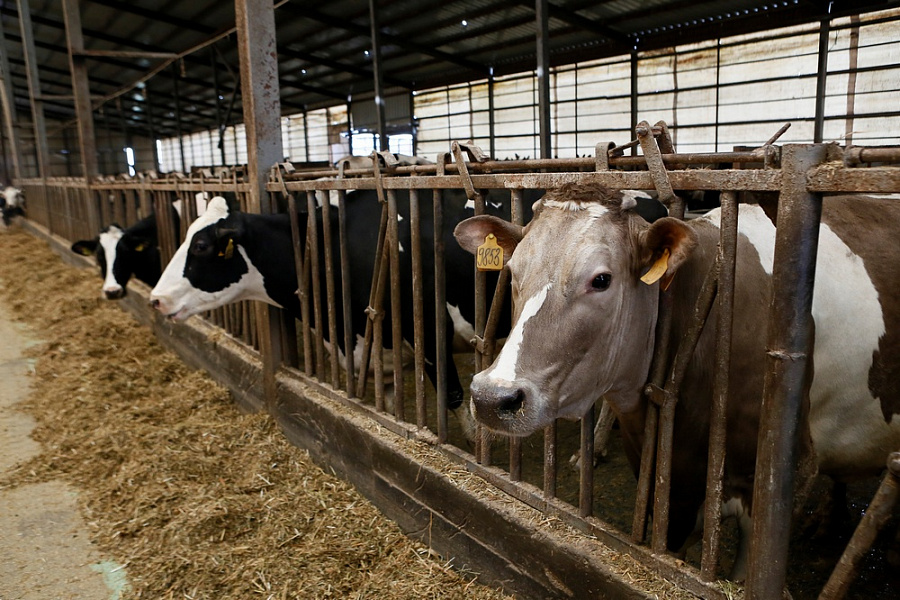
point(489, 256)
point(658, 269)
point(229, 249)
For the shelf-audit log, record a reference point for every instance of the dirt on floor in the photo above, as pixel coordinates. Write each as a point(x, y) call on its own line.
point(195, 499)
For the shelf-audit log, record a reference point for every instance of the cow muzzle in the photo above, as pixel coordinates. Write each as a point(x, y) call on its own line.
point(512, 408)
point(116, 293)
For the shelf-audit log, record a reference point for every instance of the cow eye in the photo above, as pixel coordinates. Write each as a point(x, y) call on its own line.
point(601, 281)
point(200, 246)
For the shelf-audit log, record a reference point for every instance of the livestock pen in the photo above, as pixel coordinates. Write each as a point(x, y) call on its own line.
point(467, 84)
point(281, 366)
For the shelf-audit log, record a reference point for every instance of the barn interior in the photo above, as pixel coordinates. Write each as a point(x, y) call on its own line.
point(113, 109)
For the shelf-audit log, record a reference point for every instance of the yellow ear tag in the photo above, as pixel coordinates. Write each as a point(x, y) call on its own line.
point(229, 250)
point(140, 248)
point(658, 269)
point(489, 256)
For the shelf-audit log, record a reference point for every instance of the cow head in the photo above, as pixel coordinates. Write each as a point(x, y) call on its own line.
point(584, 319)
point(118, 253)
point(211, 268)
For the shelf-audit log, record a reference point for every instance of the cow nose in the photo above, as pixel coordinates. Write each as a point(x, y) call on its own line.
point(509, 401)
point(154, 303)
point(114, 293)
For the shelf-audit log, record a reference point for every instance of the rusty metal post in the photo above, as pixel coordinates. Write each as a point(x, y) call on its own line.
point(330, 303)
point(716, 466)
point(396, 320)
point(787, 373)
point(440, 299)
point(255, 24)
point(586, 480)
point(312, 234)
point(345, 293)
point(418, 306)
point(875, 518)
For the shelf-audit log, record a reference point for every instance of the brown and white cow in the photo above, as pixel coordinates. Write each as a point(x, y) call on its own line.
point(585, 327)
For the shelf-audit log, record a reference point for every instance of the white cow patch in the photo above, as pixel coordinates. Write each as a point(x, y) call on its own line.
point(109, 239)
point(846, 423)
point(505, 367)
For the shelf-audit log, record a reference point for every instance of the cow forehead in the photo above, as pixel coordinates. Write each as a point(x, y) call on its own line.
point(216, 211)
point(566, 235)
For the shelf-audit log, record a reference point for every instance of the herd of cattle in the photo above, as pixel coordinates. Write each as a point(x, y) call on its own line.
point(583, 319)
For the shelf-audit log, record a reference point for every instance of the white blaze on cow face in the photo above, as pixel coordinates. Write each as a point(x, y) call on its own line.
point(584, 322)
point(179, 298)
point(109, 240)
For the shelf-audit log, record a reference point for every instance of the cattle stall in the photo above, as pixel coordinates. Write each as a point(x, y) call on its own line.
point(530, 471)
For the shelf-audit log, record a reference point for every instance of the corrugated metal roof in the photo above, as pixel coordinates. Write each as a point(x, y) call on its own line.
point(322, 47)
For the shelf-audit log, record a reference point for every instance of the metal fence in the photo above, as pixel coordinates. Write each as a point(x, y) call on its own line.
point(529, 470)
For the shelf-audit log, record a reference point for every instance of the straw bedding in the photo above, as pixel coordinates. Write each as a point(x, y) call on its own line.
point(196, 499)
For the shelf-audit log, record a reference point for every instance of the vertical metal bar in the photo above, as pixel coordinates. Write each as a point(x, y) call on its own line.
point(550, 460)
point(306, 132)
point(329, 293)
point(376, 73)
point(716, 465)
point(396, 319)
point(542, 49)
point(312, 234)
point(255, 24)
point(515, 443)
point(345, 293)
point(667, 411)
point(440, 305)
point(853, 71)
point(37, 105)
point(415, 226)
point(787, 373)
point(80, 88)
point(302, 282)
point(821, 76)
point(10, 117)
point(634, 95)
point(178, 130)
point(349, 129)
point(586, 483)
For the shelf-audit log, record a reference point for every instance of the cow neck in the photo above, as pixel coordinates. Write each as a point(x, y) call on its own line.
point(269, 246)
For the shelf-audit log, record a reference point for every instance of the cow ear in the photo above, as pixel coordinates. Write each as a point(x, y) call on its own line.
point(472, 232)
point(85, 247)
point(665, 246)
point(227, 235)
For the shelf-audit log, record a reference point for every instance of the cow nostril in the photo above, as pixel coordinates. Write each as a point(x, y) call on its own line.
point(512, 401)
point(154, 303)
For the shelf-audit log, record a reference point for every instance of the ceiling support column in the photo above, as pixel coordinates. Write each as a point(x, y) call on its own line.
point(178, 116)
point(379, 78)
point(81, 89)
point(10, 118)
point(542, 18)
point(34, 90)
point(260, 92)
point(822, 75)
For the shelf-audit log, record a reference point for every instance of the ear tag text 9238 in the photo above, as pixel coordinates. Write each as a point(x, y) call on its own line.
point(489, 256)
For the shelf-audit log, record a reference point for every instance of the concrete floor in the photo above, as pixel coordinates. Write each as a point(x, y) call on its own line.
point(45, 548)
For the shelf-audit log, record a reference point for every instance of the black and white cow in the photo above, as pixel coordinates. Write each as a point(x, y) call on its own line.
point(12, 204)
point(122, 253)
point(585, 275)
point(230, 256)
